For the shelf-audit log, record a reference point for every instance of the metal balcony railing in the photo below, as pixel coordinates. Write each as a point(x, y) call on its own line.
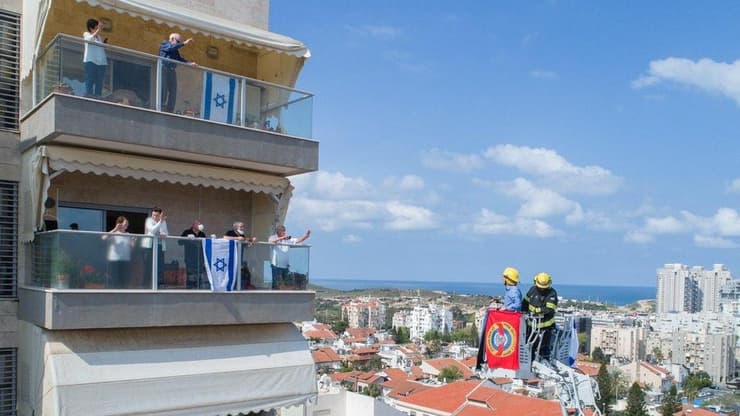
point(142, 80)
point(65, 260)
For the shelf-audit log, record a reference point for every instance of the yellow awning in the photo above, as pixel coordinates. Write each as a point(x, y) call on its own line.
point(44, 161)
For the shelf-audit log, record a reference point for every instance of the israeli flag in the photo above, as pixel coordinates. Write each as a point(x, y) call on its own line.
point(573, 345)
point(221, 263)
point(219, 98)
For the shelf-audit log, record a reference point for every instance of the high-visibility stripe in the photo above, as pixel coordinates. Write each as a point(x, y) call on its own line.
point(547, 323)
point(551, 305)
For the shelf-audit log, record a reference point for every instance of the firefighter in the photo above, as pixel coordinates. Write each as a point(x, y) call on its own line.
point(512, 296)
point(542, 300)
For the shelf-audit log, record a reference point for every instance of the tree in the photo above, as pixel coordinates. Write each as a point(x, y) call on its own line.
point(635, 402)
point(598, 355)
point(339, 327)
point(450, 374)
point(695, 382)
point(401, 335)
point(432, 335)
point(372, 390)
point(658, 354)
point(671, 403)
point(604, 380)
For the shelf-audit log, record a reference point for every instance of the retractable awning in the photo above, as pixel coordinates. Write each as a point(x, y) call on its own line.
point(174, 16)
point(44, 161)
point(215, 370)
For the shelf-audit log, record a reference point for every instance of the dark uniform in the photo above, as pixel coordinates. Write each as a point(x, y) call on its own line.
point(542, 302)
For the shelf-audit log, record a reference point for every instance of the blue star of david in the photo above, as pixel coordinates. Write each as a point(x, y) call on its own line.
point(220, 264)
point(220, 100)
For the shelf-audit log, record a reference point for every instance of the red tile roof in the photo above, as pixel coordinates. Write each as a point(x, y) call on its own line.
point(502, 380)
point(441, 363)
point(396, 373)
point(325, 355)
point(319, 334)
point(404, 388)
point(361, 333)
point(490, 402)
point(416, 373)
point(694, 411)
point(588, 368)
point(655, 369)
point(470, 362)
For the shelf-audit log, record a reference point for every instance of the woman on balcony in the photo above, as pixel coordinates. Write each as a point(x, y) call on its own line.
point(94, 59)
point(119, 254)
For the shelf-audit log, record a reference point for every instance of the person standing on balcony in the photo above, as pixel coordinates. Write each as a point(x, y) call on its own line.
point(94, 59)
point(156, 227)
point(119, 253)
point(237, 233)
point(280, 255)
point(194, 254)
point(170, 49)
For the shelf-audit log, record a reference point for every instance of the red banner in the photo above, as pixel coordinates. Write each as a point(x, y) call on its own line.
point(502, 339)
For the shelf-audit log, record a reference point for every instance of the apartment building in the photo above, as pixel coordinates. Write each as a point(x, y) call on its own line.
point(423, 319)
point(620, 341)
point(364, 313)
point(216, 142)
point(713, 353)
point(681, 288)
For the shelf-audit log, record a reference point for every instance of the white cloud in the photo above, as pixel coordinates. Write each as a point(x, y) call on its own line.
point(455, 162)
point(351, 239)
point(734, 187)
point(540, 202)
point(332, 201)
point(705, 74)
point(489, 223)
point(409, 217)
point(383, 32)
point(714, 242)
point(710, 231)
point(543, 74)
point(639, 237)
point(555, 170)
point(333, 185)
point(405, 183)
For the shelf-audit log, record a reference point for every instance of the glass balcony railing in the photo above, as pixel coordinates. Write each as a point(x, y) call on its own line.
point(141, 80)
point(65, 259)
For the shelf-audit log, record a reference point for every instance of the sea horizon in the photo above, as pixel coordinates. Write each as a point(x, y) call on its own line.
point(616, 295)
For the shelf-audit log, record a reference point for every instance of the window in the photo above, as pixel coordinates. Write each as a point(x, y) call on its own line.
point(8, 373)
point(8, 239)
point(9, 62)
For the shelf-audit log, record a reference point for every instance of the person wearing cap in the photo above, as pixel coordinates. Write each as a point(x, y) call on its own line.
point(512, 296)
point(542, 301)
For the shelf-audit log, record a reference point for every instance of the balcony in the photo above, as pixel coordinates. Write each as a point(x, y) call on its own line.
point(85, 279)
point(194, 113)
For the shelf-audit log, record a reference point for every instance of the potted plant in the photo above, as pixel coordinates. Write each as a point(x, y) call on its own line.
point(62, 270)
point(91, 278)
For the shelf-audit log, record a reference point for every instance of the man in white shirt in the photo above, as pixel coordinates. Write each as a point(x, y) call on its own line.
point(94, 59)
point(280, 255)
point(155, 226)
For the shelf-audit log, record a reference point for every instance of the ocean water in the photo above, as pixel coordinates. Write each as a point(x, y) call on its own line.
point(614, 295)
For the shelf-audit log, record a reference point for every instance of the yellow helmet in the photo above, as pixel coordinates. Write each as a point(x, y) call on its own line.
point(543, 280)
point(512, 274)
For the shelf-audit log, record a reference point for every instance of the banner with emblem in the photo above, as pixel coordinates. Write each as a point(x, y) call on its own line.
point(221, 261)
point(501, 339)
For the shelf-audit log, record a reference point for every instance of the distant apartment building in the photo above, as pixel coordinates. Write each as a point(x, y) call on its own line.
point(423, 319)
point(619, 341)
point(654, 377)
point(698, 341)
point(681, 288)
point(364, 313)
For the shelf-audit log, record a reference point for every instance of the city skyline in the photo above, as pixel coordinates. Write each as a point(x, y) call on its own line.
point(591, 141)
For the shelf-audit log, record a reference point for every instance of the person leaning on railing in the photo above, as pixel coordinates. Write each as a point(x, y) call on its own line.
point(542, 301)
point(170, 49)
point(280, 255)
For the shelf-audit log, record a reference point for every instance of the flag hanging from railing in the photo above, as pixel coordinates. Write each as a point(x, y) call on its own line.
point(501, 339)
point(219, 97)
point(573, 345)
point(221, 263)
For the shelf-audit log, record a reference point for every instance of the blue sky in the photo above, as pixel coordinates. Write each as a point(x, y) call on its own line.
point(595, 141)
